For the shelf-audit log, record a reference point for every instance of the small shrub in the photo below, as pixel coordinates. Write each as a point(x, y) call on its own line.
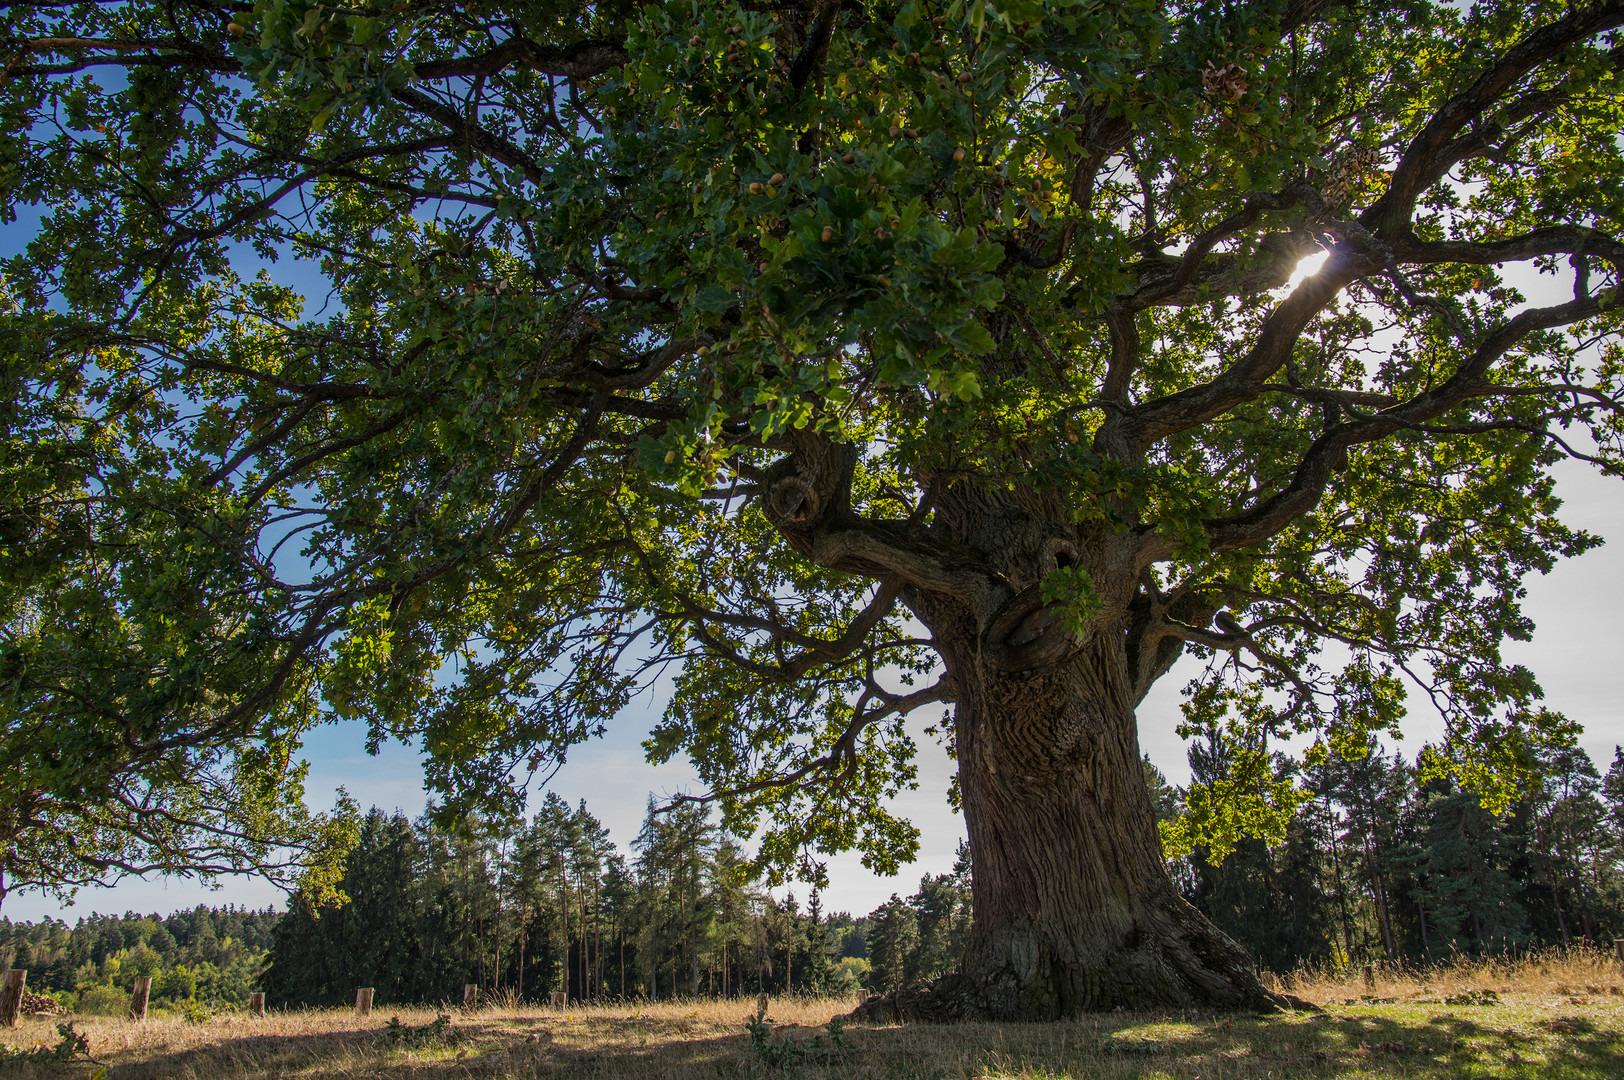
point(194, 1011)
point(778, 1055)
point(438, 1033)
point(103, 1001)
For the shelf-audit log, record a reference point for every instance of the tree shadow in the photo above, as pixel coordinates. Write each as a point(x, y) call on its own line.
point(1108, 1047)
point(479, 1047)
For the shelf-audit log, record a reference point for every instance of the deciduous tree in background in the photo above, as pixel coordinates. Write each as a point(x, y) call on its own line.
point(837, 360)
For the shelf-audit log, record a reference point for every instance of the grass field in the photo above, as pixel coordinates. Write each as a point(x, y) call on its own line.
point(1560, 1016)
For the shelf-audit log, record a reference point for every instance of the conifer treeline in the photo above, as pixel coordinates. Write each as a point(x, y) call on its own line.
point(1382, 863)
point(551, 905)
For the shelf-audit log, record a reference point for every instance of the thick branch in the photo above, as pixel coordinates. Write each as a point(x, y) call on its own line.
point(1427, 156)
point(1322, 459)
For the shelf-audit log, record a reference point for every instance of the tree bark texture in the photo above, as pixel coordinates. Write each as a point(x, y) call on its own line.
point(1073, 907)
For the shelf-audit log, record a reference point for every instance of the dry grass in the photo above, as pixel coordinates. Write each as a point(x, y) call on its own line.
point(1555, 1017)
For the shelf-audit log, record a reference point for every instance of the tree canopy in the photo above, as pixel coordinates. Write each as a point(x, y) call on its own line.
point(700, 342)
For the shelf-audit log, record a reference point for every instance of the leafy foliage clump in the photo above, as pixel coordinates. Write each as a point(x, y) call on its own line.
point(71, 1047)
point(782, 1054)
point(437, 1032)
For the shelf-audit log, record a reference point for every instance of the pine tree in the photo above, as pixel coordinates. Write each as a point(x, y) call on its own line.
point(1370, 790)
point(1471, 898)
point(819, 958)
point(674, 848)
point(728, 883)
point(789, 940)
point(893, 942)
point(1566, 822)
point(942, 912)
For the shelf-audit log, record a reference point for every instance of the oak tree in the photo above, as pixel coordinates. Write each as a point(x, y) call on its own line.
point(465, 368)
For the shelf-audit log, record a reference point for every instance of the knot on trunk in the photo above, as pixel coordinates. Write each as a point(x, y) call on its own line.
point(1026, 633)
point(792, 501)
point(808, 486)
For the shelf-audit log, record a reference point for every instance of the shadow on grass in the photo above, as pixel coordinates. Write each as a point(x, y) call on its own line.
point(498, 1047)
point(1114, 1047)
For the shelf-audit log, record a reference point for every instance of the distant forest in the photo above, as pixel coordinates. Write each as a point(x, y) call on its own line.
point(1377, 864)
point(205, 955)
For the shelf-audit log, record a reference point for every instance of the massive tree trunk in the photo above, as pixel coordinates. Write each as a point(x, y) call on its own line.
point(1074, 909)
point(1073, 906)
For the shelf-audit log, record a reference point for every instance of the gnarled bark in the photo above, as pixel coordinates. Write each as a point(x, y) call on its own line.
point(1073, 907)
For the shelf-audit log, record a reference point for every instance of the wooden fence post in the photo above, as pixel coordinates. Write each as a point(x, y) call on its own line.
point(556, 999)
point(256, 1004)
point(1618, 951)
point(139, 996)
point(1370, 978)
point(11, 996)
point(761, 1003)
point(363, 1001)
point(470, 996)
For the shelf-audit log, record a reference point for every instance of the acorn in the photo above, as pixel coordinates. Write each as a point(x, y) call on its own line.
point(775, 179)
point(912, 133)
point(732, 346)
point(964, 78)
point(696, 40)
point(828, 233)
point(848, 158)
point(670, 456)
point(235, 29)
point(735, 29)
point(885, 281)
point(704, 350)
point(958, 155)
point(755, 189)
point(895, 131)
